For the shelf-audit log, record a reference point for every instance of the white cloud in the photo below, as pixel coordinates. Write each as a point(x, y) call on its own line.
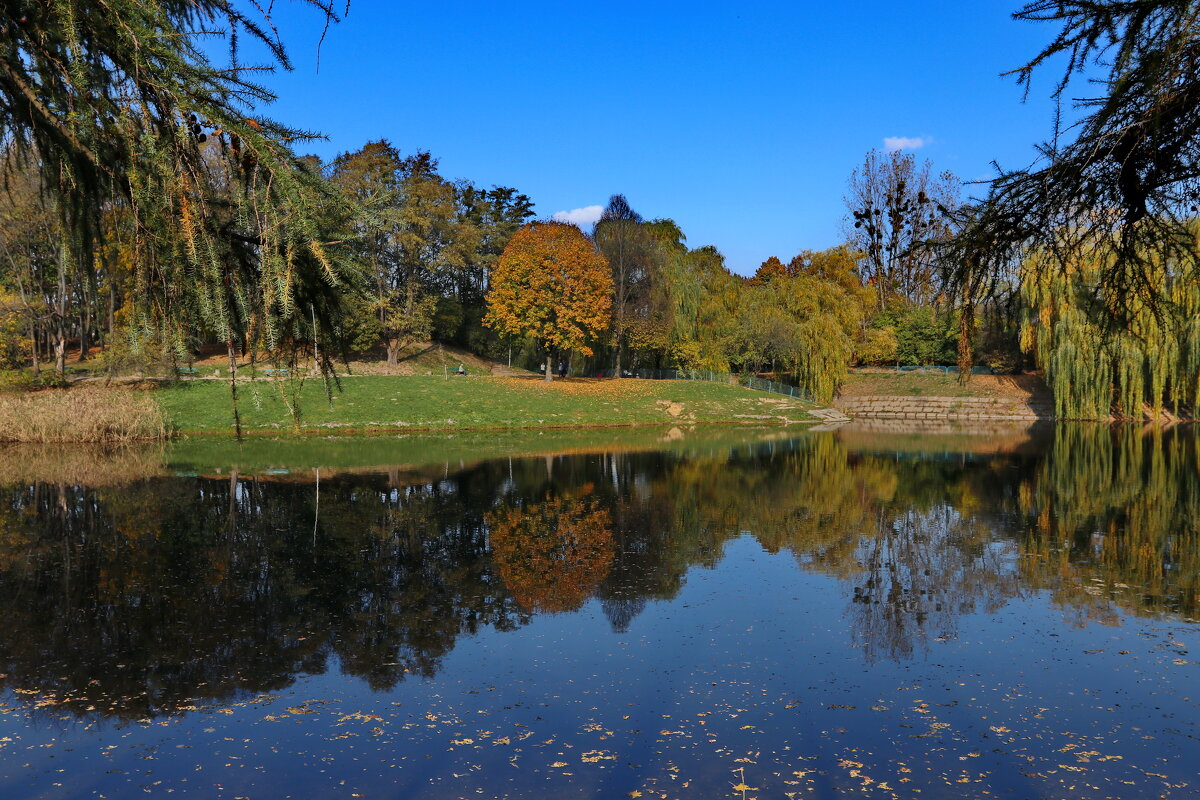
point(894, 143)
point(588, 215)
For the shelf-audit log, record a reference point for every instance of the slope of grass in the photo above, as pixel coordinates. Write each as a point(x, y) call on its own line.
point(472, 403)
point(934, 384)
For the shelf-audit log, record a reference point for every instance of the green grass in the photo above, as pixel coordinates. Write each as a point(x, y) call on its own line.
point(932, 384)
point(471, 403)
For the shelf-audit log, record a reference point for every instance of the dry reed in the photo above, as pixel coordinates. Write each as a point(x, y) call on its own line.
point(82, 414)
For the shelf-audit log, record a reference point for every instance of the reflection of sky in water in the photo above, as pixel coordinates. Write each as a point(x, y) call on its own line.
point(882, 625)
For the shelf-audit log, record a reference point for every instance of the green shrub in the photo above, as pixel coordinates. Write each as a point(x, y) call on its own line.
point(24, 380)
point(877, 347)
point(925, 337)
point(447, 319)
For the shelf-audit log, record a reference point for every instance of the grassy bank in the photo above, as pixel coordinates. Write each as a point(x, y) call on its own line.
point(81, 414)
point(376, 403)
point(935, 384)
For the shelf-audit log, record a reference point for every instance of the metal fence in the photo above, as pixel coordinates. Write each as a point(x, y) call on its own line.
point(933, 368)
point(749, 381)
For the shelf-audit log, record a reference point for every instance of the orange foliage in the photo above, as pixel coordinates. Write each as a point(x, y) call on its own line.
point(552, 555)
point(551, 284)
point(771, 268)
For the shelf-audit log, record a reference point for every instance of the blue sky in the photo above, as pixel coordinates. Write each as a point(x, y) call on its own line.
point(740, 121)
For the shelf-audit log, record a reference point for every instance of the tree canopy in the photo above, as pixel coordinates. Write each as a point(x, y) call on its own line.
point(118, 106)
point(1119, 187)
point(899, 209)
point(552, 285)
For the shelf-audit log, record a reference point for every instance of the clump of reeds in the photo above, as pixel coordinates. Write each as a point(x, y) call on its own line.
point(82, 414)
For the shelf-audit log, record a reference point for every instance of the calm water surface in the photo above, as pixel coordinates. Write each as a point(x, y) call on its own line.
point(839, 613)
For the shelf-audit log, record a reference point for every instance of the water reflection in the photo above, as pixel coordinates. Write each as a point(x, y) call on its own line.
point(142, 597)
point(1114, 518)
point(553, 553)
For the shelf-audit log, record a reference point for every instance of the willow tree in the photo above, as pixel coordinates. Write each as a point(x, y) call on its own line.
point(118, 103)
point(702, 298)
point(1097, 370)
point(1121, 185)
point(808, 324)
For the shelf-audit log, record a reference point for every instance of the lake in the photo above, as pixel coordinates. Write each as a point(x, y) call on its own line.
point(676, 614)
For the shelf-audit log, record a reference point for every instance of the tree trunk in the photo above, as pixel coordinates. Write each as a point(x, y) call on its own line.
point(237, 420)
point(60, 312)
point(60, 350)
point(33, 342)
point(112, 310)
point(393, 351)
point(549, 370)
point(966, 325)
point(84, 327)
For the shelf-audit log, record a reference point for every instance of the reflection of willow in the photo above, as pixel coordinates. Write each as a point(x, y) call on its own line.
point(1121, 505)
point(907, 533)
point(552, 554)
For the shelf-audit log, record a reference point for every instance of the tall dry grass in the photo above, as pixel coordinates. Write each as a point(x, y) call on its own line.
point(81, 414)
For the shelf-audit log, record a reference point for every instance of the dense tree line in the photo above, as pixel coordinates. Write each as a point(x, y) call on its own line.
point(150, 211)
point(426, 253)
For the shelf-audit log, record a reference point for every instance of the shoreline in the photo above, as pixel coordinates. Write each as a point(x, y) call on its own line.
point(385, 431)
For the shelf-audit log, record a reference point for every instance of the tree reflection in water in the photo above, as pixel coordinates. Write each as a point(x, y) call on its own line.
point(552, 554)
point(141, 598)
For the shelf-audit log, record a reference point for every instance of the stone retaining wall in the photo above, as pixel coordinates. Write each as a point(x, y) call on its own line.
point(945, 408)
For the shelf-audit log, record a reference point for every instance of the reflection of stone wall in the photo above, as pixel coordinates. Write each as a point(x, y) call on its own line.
point(876, 434)
point(965, 409)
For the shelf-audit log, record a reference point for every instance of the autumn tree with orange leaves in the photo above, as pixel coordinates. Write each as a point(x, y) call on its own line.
point(552, 285)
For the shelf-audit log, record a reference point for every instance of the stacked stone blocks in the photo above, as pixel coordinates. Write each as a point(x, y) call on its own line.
point(946, 408)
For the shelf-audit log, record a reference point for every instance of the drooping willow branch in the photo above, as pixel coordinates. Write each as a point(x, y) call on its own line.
point(116, 104)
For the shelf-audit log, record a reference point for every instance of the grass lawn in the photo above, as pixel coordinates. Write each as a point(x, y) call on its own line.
point(437, 403)
point(934, 384)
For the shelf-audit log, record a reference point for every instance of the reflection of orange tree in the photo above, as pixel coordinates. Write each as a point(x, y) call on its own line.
point(552, 555)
